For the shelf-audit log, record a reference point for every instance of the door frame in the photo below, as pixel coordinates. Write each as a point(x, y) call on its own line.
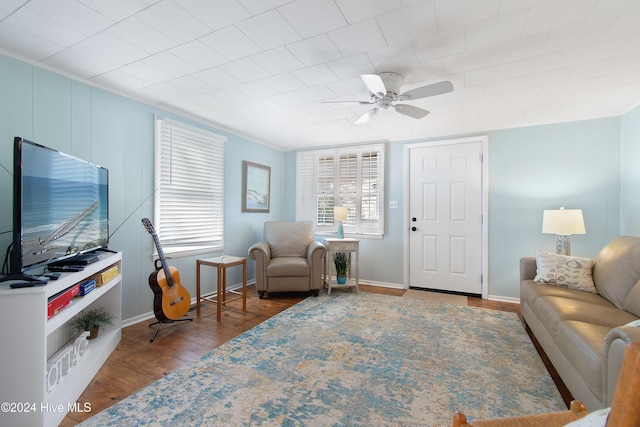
point(484, 140)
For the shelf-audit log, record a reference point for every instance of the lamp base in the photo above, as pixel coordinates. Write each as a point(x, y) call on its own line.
point(340, 231)
point(563, 244)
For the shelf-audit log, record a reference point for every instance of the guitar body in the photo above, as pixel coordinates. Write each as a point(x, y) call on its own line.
point(169, 302)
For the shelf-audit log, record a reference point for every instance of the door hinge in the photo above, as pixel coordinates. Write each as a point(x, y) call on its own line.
point(482, 278)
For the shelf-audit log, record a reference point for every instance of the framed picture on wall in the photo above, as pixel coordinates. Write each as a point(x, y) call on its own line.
point(256, 182)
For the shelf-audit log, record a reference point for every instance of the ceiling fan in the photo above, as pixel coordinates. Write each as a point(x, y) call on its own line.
point(385, 89)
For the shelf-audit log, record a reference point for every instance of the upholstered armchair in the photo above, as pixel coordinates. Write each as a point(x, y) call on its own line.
point(288, 259)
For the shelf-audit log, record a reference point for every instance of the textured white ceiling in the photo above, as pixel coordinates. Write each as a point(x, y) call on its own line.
point(261, 68)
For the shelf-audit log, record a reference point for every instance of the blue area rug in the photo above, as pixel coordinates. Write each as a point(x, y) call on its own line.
point(354, 360)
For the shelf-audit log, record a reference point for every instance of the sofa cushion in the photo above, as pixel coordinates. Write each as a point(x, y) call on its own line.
point(632, 302)
point(565, 271)
point(550, 311)
point(617, 269)
point(530, 291)
point(288, 267)
point(583, 344)
point(288, 239)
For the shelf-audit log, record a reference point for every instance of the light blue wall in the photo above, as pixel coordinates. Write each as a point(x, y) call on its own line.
point(588, 164)
point(631, 173)
point(576, 165)
point(381, 261)
point(117, 133)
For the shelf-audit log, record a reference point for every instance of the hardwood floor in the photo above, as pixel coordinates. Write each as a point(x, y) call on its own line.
point(136, 362)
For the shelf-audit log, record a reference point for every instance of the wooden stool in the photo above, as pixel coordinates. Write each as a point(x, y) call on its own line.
point(220, 297)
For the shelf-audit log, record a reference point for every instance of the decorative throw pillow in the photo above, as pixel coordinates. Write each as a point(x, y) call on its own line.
point(565, 271)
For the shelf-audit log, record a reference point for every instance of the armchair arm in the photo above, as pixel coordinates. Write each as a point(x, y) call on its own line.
point(261, 252)
point(315, 256)
point(260, 249)
point(615, 344)
point(528, 268)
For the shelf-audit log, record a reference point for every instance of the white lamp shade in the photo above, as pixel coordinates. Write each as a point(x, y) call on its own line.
point(339, 213)
point(563, 221)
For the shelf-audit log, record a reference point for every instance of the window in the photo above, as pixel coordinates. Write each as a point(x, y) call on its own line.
point(189, 187)
point(352, 177)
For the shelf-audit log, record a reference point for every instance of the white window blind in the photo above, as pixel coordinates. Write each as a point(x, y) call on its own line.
point(189, 182)
point(352, 177)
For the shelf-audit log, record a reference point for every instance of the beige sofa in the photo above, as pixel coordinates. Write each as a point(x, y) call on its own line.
point(584, 333)
point(288, 259)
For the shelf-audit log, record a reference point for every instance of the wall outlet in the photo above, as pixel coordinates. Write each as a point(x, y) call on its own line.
point(393, 204)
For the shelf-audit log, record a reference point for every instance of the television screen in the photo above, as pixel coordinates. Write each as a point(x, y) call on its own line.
point(62, 205)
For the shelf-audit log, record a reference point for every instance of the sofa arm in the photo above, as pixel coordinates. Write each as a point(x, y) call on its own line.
point(615, 344)
point(528, 268)
point(261, 252)
point(315, 256)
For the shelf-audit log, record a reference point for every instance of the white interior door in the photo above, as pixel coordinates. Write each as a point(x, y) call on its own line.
point(445, 209)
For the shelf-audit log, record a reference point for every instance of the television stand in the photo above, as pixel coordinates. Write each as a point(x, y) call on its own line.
point(31, 371)
point(103, 250)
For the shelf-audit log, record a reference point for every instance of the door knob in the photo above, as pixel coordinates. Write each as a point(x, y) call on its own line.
point(413, 228)
point(414, 219)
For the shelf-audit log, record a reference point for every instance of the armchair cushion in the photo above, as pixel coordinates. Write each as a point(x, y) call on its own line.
point(288, 266)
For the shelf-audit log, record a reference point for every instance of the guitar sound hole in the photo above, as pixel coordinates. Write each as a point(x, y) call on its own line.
point(174, 302)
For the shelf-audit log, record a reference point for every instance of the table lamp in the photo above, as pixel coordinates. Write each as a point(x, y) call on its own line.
point(340, 214)
point(563, 223)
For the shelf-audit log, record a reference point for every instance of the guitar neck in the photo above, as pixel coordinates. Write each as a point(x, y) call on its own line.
point(163, 260)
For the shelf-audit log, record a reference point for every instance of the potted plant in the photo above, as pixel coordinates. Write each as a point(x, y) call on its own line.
point(342, 261)
point(91, 320)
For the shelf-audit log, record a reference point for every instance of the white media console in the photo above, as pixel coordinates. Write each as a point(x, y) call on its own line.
point(30, 341)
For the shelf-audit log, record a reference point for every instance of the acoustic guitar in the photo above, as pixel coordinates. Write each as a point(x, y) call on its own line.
point(171, 300)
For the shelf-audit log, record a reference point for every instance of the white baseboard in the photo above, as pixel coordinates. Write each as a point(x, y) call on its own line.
point(503, 299)
point(382, 284)
point(151, 315)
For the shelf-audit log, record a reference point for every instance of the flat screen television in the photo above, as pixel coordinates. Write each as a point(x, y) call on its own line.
point(60, 207)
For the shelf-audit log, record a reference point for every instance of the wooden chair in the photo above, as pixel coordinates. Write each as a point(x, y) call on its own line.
point(625, 407)
point(625, 410)
point(553, 419)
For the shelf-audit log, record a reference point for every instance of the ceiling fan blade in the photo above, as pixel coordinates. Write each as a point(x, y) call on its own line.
point(350, 102)
point(428, 90)
point(411, 111)
point(374, 83)
point(367, 116)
